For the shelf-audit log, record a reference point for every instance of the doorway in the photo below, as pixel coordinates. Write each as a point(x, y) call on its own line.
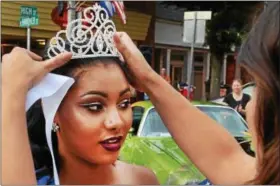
point(176, 72)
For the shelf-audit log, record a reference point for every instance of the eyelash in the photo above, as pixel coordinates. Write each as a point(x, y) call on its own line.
point(94, 107)
point(126, 104)
point(123, 105)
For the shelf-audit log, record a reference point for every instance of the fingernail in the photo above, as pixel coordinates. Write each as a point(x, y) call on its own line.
point(66, 53)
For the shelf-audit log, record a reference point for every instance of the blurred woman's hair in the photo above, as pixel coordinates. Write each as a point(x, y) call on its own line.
point(259, 55)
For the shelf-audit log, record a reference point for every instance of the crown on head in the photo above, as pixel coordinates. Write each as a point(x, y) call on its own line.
point(88, 37)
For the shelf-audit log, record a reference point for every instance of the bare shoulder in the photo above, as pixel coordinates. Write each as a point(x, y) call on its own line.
point(138, 174)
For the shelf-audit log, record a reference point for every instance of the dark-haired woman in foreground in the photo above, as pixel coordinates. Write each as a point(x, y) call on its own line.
point(216, 154)
point(75, 138)
point(91, 124)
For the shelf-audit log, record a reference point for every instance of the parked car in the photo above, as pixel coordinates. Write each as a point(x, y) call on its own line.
point(151, 145)
point(247, 89)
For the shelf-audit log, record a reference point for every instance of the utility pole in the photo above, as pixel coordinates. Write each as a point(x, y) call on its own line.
point(71, 12)
point(190, 67)
point(192, 36)
point(28, 39)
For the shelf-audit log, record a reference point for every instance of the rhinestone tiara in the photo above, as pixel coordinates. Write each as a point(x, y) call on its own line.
point(88, 37)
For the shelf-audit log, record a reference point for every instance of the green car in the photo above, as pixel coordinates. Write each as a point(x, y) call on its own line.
point(150, 144)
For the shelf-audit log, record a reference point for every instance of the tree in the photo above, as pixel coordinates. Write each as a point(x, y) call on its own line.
point(229, 24)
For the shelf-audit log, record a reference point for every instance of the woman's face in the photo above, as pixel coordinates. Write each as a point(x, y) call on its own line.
point(236, 87)
point(95, 116)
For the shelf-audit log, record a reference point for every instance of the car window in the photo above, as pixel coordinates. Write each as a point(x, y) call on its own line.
point(227, 117)
point(138, 113)
point(153, 125)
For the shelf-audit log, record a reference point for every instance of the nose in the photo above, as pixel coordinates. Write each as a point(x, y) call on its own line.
point(113, 120)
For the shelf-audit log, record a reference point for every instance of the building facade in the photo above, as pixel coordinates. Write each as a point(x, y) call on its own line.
point(138, 24)
point(174, 55)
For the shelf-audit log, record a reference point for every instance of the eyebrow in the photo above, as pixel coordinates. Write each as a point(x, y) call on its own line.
point(124, 91)
point(103, 94)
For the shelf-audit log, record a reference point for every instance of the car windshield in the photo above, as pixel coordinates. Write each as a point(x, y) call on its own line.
point(227, 117)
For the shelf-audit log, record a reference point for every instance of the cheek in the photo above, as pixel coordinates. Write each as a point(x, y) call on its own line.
point(79, 128)
point(250, 117)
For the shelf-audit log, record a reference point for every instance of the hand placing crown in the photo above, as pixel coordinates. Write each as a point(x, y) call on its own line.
point(89, 37)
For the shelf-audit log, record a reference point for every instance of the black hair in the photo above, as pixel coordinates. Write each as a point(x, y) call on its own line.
point(36, 120)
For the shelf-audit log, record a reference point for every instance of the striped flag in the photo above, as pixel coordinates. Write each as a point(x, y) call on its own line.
point(119, 5)
point(114, 6)
point(109, 7)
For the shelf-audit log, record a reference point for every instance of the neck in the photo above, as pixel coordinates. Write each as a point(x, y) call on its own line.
point(237, 93)
point(74, 170)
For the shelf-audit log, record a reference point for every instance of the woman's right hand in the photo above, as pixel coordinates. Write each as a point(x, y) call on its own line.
point(141, 71)
point(23, 69)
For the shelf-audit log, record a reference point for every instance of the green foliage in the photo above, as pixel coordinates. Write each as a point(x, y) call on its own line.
point(229, 24)
point(227, 27)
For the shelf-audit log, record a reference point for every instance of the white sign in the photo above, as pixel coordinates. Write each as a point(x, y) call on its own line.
point(190, 18)
point(204, 15)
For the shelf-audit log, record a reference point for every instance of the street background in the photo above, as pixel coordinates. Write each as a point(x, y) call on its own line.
point(157, 28)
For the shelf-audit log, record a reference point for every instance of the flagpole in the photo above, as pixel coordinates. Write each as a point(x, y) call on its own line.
point(71, 12)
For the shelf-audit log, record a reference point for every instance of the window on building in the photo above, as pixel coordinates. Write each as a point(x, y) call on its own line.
point(198, 57)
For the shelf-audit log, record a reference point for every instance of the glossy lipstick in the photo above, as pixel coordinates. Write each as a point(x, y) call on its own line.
point(112, 144)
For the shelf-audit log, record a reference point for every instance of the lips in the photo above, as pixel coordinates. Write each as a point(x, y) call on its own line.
point(112, 144)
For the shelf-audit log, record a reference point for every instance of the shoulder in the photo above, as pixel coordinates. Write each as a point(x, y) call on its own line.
point(139, 175)
point(147, 176)
point(228, 97)
point(246, 96)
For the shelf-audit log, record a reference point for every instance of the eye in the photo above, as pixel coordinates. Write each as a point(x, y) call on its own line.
point(124, 104)
point(94, 107)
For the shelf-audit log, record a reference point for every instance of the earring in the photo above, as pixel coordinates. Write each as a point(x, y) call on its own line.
point(55, 127)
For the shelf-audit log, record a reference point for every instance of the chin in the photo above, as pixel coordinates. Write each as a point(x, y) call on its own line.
point(104, 158)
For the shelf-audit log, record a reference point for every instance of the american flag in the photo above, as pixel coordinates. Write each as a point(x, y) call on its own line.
point(114, 6)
